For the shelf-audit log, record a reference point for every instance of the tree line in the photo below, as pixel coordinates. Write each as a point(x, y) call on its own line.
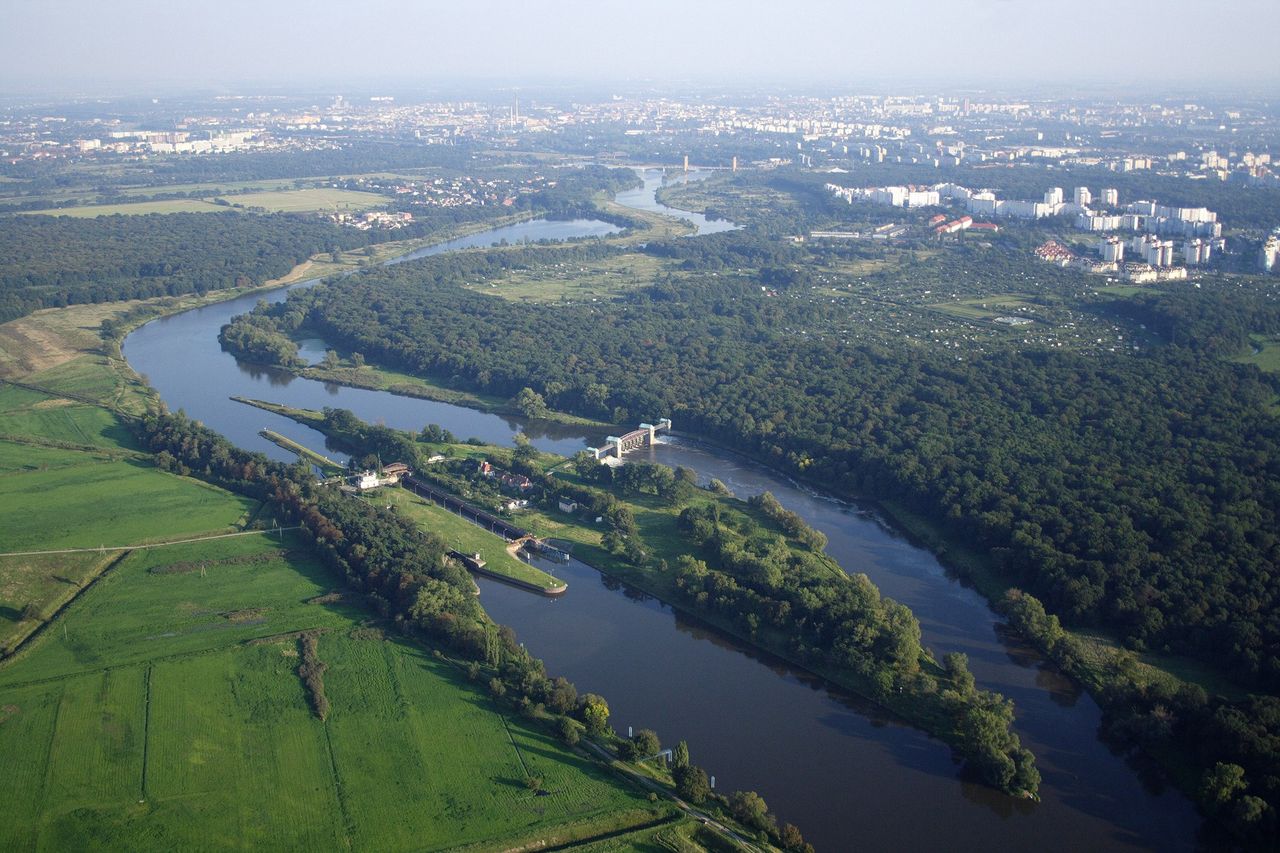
point(1136, 491)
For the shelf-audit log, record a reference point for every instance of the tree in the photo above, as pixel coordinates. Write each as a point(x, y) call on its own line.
point(956, 665)
point(562, 696)
point(530, 403)
point(749, 808)
point(790, 838)
point(1221, 784)
point(330, 360)
point(646, 743)
point(569, 731)
point(680, 755)
point(594, 711)
point(692, 783)
point(357, 359)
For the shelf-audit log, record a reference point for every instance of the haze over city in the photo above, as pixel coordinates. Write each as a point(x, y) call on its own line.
point(71, 45)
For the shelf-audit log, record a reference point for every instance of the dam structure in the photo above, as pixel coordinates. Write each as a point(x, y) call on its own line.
point(645, 436)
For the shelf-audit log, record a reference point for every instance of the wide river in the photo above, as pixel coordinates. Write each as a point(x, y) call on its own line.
point(846, 773)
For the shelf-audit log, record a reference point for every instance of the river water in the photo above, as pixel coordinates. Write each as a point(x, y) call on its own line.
point(845, 772)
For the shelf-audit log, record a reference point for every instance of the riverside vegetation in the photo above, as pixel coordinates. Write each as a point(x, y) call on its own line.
point(1132, 491)
point(756, 570)
point(235, 688)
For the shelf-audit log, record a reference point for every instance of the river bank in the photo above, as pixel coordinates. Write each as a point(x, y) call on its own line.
point(842, 769)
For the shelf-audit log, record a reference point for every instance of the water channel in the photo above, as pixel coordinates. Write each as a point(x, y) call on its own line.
point(844, 771)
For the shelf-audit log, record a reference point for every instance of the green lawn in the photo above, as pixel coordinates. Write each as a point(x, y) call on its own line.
point(61, 420)
point(168, 714)
point(110, 503)
point(466, 537)
point(1264, 352)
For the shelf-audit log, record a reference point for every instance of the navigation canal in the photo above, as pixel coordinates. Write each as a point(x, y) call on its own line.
point(838, 767)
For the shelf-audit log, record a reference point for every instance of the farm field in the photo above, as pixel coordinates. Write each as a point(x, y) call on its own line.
point(306, 200)
point(464, 536)
point(169, 715)
point(110, 503)
point(274, 197)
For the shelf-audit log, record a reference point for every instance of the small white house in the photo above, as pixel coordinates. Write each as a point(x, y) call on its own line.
point(568, 506)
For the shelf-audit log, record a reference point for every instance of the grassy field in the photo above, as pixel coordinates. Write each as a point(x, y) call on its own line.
point(603, 279)
point(466, 537)
point(1264, 353)
point(307, 200)
point(989, 307)
point(110, 503)
point(168, 714)
point(279, 198)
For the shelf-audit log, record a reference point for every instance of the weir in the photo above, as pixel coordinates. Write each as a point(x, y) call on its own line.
point(645, 436)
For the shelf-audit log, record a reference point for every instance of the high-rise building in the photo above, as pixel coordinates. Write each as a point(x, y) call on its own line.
point(1083, 197)
point(1053, 196)
point(1111, 197)
point(1111, 250)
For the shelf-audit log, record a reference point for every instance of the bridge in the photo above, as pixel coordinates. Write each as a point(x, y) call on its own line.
point(616, 445)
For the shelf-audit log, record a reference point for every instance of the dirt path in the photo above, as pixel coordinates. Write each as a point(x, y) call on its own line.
point(152, 545)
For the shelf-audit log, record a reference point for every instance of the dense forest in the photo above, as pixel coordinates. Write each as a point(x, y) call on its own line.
point(133, 257)
point(1138, 492)
point(138, 256)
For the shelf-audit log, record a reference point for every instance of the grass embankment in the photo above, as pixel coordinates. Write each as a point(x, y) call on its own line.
point(462, 535)
point(324, 463)
point(71, 477)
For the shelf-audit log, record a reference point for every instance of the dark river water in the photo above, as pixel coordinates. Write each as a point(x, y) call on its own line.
point(846, 773)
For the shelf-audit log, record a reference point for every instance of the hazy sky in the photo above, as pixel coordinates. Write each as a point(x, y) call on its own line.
point(133, 44)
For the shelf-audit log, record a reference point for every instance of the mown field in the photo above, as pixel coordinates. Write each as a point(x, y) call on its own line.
point(307, 200)
point(466, 537)
point(166, 713)
point(272, 200)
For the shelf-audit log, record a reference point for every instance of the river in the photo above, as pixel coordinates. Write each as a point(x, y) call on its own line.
point(838, 767)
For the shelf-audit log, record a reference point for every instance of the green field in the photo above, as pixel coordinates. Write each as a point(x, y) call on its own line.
point(606, 278)
point(1264, 353)
point(466, 537)
point(168, 714)
point(307, 200)
point(110, 503)
point(284, 200)
point(31, 414)
point(989, 307)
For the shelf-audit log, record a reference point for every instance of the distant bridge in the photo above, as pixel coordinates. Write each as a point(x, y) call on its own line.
point(616, 445)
